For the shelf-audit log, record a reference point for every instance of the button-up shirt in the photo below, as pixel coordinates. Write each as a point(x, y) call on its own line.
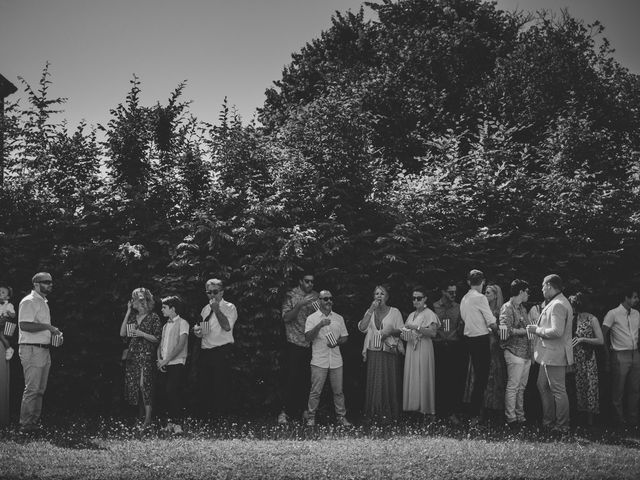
point(171, 333)
point(34, 308)
point(515, 317)
point(217, 336)
point(624, 328)
point(295, 328)
point(476, 314)
point(321, 354)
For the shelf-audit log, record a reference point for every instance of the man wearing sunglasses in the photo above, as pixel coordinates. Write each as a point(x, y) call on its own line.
point(34, 322)
point(326, 330)
point(213, 363)
point(450, 354)
point(297, 306)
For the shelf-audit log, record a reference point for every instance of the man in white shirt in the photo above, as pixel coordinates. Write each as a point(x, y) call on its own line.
point(326, 330)
point(172, 356)
point(34, 322)
point(478, 324)
point(219, 317)
point(621, 326)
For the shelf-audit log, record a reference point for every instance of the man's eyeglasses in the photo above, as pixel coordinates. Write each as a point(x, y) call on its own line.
point(452, 292)
point(418, 298)
point(306, 280)
point(46, 282)
point(212, 292)
point(326, 299)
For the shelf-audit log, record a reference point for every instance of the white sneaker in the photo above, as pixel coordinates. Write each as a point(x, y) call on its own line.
point(283, 418)
point(311, 422)
point(342, 421)
point(177, 430)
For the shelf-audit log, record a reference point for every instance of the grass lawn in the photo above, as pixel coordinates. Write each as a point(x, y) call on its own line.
point(111, 449)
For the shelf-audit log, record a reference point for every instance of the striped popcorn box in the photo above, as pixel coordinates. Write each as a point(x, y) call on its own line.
point(316, 305)
point(529, 334)
point(9, 328)
point(377, 340)
point(57, 340)
point(446, 324)
point(405, 334)
point(130, 328)
point(331, 339)
point(504, 333)
point(206, 327)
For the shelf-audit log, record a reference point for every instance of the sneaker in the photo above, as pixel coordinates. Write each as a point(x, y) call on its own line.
point(305, 415)
point(283, 418)
point(474, 422)
point(343, 422)
point(177, 430)
point(311, 422)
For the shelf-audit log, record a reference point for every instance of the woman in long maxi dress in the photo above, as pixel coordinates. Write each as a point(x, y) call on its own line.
point(141, 360)
point(382, 351)
point(588, 336)
point(419, 365)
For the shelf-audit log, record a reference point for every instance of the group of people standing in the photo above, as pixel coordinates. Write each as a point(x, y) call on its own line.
point(482, 350)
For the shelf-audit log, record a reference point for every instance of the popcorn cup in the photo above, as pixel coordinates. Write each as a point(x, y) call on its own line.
point(205, 327)
point(57, 340)
point(9, 328)
point(316, 305)
point(529, 334)
point(331, 339)
point(504, 333)
point(405, 334)
point(377, 340)
point(446, 324)
point(130, 328)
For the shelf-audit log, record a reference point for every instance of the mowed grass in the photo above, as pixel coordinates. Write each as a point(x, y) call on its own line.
point(111, 449)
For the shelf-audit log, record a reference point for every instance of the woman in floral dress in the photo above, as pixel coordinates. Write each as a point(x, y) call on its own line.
point(141, 361)
point(587, 337)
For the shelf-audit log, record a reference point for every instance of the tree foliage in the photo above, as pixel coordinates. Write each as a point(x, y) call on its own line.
point(440, 136)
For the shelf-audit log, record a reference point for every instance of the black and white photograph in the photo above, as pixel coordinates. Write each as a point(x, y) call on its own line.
point(319, 239)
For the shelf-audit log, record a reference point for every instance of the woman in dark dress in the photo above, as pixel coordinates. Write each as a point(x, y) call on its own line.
point(145, 332)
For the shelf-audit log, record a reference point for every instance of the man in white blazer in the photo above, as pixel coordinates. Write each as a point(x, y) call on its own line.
point(553, 351)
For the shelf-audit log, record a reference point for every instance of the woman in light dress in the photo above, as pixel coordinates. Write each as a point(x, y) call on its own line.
point(419, 365)
point(382, 350)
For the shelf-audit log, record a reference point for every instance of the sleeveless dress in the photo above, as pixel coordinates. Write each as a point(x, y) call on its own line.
point(586, 367)
point(419, 367)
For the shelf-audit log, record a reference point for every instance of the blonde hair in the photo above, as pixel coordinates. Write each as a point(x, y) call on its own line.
point(499, 300)
point(145, 296)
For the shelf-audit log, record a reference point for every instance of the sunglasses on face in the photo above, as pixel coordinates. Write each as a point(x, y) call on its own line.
point(418, 299)
point(452, 292)
point(212, 292)
point(305, 280)
point(46, 282)
point(326, 299)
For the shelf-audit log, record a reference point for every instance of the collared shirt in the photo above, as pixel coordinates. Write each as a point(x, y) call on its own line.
point(450, 311)
point(515, 317)
point(34, 308)
point(624, 328)
point(171, 333)
point(217, 336)
point(295, 328)
point(476, 314)
point(321, 354)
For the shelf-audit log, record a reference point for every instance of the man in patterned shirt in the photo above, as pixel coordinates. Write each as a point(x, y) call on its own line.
point(297, 306)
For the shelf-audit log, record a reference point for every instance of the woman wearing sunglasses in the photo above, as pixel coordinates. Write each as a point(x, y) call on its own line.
point(419, 366)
